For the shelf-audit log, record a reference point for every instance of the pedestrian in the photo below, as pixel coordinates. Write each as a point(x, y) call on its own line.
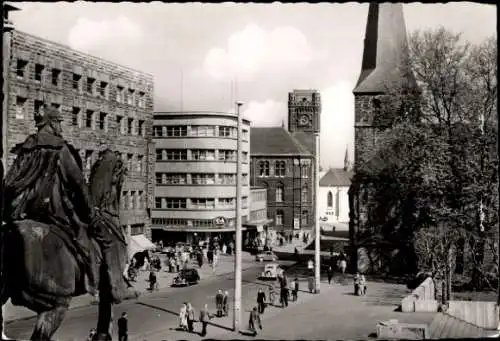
point(254, 321)
point(204, 318)
point(272, 295)
point(152, 281)
point(123, 327)
point(329, 273)
point(311, 284)
point(199, 258)
point(284, 296)
point(295, 289)
point(225, 305)
point(343, 265)
point(261, 301)
point(219, 298)
point(190, 317)
point(183, 325)
point(310, 266)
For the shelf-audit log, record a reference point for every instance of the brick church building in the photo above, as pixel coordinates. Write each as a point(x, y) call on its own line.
point(283, 161)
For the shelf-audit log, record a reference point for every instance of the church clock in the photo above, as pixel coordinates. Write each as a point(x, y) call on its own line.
point(305, 120)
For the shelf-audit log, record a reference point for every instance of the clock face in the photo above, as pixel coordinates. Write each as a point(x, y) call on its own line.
point(304, 120)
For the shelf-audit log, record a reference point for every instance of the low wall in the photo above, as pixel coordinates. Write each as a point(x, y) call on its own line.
point(393, 329)
point(421, 299)
point(481, 314)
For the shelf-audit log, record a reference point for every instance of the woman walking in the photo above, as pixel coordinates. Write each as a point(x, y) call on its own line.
point(183, 324)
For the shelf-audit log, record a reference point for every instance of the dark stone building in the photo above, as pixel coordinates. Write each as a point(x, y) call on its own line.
point(283, 162)
point(385, 53)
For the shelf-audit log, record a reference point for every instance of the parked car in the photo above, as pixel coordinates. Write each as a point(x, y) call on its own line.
point(266, 256)
point(186, 277)
point(271, 271)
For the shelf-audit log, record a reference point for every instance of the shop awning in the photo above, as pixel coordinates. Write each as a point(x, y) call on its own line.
point(256, 223)
point(139, 243)
point(195, 229)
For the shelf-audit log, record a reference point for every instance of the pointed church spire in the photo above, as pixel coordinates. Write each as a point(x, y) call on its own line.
point(385, 49)
point(346, 159)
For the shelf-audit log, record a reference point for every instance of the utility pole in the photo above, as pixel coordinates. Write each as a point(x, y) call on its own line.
point(238, 247)
point(317, 239)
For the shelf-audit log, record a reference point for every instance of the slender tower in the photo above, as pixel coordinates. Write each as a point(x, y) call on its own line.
point(384, 61)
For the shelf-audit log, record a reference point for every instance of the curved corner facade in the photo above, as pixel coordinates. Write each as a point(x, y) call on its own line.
point(195, 174)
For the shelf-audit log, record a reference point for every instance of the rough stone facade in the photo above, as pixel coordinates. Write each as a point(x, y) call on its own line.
point(103, 105)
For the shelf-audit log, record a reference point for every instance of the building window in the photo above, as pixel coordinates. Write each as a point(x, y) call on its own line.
point(305, 170)
point(21, 68)
point(264, 168)
point(140, 199)
point(227, 155)
point(119, 123)
point(305, 218)
point(280, 192)
point(77, 82)
point(244, 179)
point(141, 103)
point(88, 119)
point(337, 202)
point(75, 117)
point(136, 229)
point(103, 118)
point(140, 162)
point(124, 200)
point(174, 154)
point(131, 200)
point(141, 128)
point(39, 72)
point(119, 94)
point(103, 90)
point(226, 131)
point(226, 179)
point(20, 107)
point(244, 134)
point(329, 199)
point(130, 161)
point(202, 203)
point(279, 217)
point(131, 97)
point(279, 168)
point(173, 179)
point(130, 126)
point(90, 85)
point(202, 154)
point(38, 107)
point(56, 75)
point(244, 202)
point(157, 131)
point(175, 203)
point(244, 156)
point(305, 194)
point(88, 159)
point(202, 131)
point(175, 131)
point(227, 202)
point(203, 179)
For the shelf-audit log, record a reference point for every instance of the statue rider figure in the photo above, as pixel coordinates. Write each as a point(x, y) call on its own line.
point(46, 184)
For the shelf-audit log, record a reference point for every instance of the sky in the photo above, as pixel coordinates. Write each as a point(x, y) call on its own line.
point(207, 56)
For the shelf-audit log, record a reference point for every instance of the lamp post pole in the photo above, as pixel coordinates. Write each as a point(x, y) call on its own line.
point(317, 256)
point(238, 245)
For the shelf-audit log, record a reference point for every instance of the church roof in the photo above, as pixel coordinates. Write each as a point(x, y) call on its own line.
point(385, 49)
point(275, 141)
point(306, 139)
point(336, 177)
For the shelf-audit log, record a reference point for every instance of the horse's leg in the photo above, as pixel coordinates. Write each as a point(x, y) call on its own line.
point(48, 322)
point(105, 319)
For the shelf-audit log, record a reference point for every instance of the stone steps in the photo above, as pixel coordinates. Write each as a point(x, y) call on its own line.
point(449, 327)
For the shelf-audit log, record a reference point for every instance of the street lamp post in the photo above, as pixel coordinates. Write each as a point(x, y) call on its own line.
point(317, 244)
point(238, 247)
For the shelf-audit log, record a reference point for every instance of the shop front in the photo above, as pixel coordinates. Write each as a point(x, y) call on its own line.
point(259, 233)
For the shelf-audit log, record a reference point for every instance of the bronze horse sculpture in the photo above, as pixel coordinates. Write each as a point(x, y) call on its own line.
point(32, 255)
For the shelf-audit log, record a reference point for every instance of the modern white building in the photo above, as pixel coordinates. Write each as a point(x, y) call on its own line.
point(195, 170)
point(333, 197)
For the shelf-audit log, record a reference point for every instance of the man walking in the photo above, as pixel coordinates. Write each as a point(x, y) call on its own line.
point(225, 305)
point(295, 289)
point(254, 321)
point(204, 318)
point(190, 317)
point(261, 301)
point(330, 274)
point(219, 299)
point(123, 327)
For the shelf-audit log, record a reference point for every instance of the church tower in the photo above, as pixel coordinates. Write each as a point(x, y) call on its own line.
point(304, 113)
point(384, 60)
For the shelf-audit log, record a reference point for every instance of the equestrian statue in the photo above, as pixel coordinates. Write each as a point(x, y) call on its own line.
point(60, 237)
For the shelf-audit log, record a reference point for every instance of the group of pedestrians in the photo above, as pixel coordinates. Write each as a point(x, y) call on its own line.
point(221, 303)
point(187, 318)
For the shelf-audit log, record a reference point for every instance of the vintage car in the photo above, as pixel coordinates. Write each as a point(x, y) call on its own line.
point(266, 256)
point(271, 271)
point(186, 277)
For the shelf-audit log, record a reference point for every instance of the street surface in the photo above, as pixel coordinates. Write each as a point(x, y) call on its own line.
point(154, 312)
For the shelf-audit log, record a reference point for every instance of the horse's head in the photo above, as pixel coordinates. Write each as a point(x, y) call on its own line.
point(106, 180)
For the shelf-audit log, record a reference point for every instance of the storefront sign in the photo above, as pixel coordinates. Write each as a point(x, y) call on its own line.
point(296, 223)
point(220, 221)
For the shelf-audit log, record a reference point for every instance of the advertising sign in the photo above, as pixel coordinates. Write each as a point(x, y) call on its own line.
point(296, 223)
point(220, 221)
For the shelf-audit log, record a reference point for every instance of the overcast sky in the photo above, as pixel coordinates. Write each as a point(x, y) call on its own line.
point(270, 49)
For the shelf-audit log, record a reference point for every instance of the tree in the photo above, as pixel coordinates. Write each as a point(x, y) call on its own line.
point(436, 163)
